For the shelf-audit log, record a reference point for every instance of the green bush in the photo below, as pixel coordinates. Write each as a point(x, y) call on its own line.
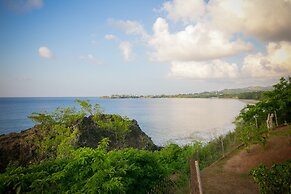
point(88, 171)
point(275, 180)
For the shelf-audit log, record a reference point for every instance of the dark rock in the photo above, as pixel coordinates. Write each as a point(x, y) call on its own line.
point(19, 148)
point(91, 135)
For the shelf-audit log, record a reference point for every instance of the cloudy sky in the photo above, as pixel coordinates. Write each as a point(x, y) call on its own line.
point(104, 47)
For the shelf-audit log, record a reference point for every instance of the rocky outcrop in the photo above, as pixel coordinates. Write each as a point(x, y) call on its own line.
point(90, 136)
point(19, 148)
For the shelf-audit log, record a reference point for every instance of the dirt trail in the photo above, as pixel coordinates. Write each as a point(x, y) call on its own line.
point(230, 175)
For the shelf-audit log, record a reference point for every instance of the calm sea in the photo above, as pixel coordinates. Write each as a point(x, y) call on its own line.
point(164, 120)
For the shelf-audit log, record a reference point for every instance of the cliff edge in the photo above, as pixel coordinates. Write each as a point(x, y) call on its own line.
point(21, 148)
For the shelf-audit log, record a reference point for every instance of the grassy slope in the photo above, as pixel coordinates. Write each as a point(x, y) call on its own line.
point(230, 175)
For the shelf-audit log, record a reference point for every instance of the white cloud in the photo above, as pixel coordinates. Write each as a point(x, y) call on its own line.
point(23, 5)
point(264, 19)
point(91, 59)
point(110, 37)
point(129, 27)
point(185, 10)
point(275, 63)
point(194, 43)
point(215, 69)
point(126, 49)
point(45, 52)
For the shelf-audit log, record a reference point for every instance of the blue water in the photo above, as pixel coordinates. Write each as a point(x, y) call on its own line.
point(164, 120)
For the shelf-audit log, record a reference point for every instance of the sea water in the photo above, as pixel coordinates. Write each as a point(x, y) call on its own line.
point(165, 120)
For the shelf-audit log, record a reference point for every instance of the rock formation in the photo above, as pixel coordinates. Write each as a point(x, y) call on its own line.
point(19, 148)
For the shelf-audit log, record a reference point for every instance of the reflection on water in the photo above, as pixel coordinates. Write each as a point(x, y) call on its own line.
point(164, 120)
point(181, 120)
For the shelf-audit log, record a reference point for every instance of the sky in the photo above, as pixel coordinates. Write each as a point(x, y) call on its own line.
point(102, 47)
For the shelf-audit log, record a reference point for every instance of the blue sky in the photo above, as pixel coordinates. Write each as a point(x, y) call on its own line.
point(94, 48)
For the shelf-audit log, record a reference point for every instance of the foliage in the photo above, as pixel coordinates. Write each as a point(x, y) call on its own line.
point(251, 95)
point(89, 171)
point(251, 122)
point(58, 131)
point(249, 134)
point(115, 123)
point(88, 109)
point(241, 93)
point(275, 180)
point(86, 170)
point(279, 100)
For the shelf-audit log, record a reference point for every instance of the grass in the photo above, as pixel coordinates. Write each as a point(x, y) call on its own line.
point(231, 173)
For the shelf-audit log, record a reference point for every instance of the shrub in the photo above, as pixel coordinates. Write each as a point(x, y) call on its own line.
point(275, 180)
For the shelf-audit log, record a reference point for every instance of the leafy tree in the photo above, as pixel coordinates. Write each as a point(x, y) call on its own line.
point(88, 109)
point(251, 122)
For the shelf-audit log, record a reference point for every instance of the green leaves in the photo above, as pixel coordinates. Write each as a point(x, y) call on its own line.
point(251, 122)
point(88, 109)
point(279, 100)
point(89, 171)
point(249, 134)
point(58, 131)
point(275, 180)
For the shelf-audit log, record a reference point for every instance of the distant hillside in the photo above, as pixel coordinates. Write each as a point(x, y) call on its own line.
point(245, 90)
point(240, 93)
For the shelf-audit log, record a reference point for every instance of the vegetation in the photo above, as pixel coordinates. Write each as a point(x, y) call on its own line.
point(252, 128)
point(63, 168)
point(275, 180)
point(87, 170)
point(59, 132)
point(251, 122)
point(242, 93)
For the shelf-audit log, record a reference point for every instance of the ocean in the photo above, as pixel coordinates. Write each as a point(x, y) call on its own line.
point(165, 120)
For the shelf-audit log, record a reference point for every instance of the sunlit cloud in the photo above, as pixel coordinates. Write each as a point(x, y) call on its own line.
point(186, 11)
point(267, 20)
point(194, 43)
point(275, 62)
point(196, 37)
point(129, 27)
point(45, 52)
point(215, 69)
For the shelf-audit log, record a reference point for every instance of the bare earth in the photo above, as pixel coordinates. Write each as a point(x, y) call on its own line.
point(230, 175)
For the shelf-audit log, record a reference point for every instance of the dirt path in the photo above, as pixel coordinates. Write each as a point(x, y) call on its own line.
point(230, 175)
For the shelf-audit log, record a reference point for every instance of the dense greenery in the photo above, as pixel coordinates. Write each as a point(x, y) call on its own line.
point(89, 171)
point(63, 168)
point(251, 122)
point(278, 100)
point(58, 131)
point(275, 180)
point(129, 170)
point(251, 127)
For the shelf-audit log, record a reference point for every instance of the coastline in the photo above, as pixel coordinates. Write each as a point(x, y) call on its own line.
point(249, 101)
